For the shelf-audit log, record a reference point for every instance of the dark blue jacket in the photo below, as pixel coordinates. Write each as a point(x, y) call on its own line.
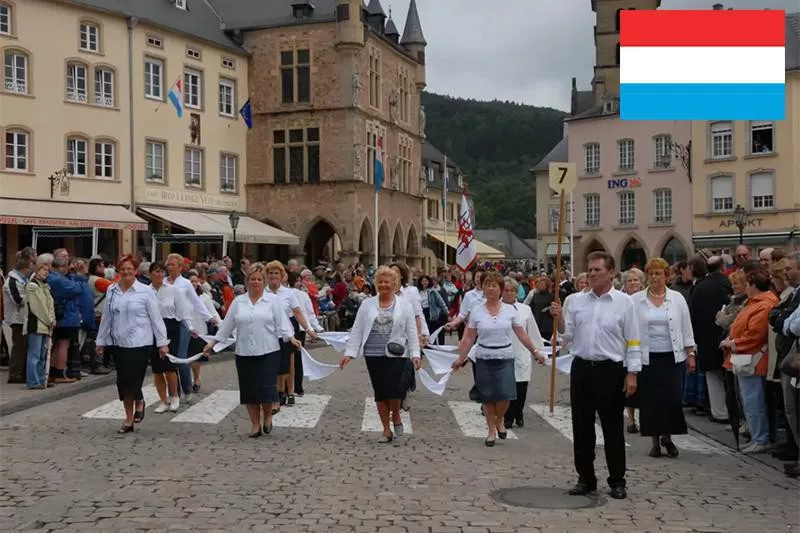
point(66, 298)
point(86, 306)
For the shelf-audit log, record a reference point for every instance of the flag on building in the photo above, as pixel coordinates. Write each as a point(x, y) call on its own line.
point(466, 254)
point(247, 114)
point(379, 164)
point(176, 97)
point(702, 65)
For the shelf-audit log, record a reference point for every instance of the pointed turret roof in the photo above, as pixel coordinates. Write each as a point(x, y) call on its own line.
point(391, 29)
point(375, 8)
point(412, 33)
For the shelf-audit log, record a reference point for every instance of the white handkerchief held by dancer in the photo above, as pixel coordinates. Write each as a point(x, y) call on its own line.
point(336, 339)
point(441, 362)
point(434, 337)
point(436, 387)
point(563, 363)
point(220, 345)
point(313, 369)
point(188, 360)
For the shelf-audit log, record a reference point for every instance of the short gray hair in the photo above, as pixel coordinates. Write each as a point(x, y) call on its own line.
point(59, 262)
point(45, 259)
point(636, 272)
point(508, 280)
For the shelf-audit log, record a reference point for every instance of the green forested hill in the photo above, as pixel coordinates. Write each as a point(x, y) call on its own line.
point(495, 143)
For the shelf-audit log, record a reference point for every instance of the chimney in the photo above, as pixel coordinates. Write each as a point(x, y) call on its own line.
point(717, 7)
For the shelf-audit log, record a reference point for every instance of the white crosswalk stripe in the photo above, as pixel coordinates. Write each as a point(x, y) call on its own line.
point(115, 411)
point(212, 409)
point(305, 413)
point(371, 422)
point(561, 420)
point(470, 421)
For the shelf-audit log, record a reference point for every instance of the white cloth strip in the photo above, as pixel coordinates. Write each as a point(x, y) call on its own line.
point(179, 361)
point(304, 414)
point(371, 421)
point(441, 362)
point(702, 64)
point(313, 369)
point(436, 387)
point(470, 420)
point(212, 409)
point(434, 337)
point(336, 339)
point(115, 411)
point(220, 345)
point(563, 363)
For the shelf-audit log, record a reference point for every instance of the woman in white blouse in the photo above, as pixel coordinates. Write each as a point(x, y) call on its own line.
point(385, 333)
point(174, 311)
point(522, 358)
point(276, 277)
point(260, 322)
point(196, 343)
point(665, 329)
point(495, 323)
point(128, 326)
point(307, 308)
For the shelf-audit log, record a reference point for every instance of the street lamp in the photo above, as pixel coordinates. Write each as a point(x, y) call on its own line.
point(740, 216)
point(233, 218)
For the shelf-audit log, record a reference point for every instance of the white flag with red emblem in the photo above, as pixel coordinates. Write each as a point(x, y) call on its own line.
point(465, 253)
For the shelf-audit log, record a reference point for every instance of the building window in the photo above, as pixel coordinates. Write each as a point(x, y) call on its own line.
point(228, 63)
point(17, 150)
point(722, 194)
point(405, 166)
point(433, 209)
point(193, 168)
point(626, 157)
point(181, 4)
point(591, 158)
point(104, 87)
point(592, 209)
point(192, 87)
point(154, 153)
point(761, 137)
point(16, 71)
point(90, 37)
point(374, 78)
point(761, 191)
point(296, 76)
point(104, 159)
point(372, 143)
point(405, 95)
point(193, 53)
point(227, 97)
point(153, 80)
point(296, 161)
point(76, 82)
point(553, 219)
point(76, 156)
point(627, 208)
point(5, 19)
point(663, 202)
point(154, 41)
point(721, 140)
point(227, 172)
point(663, 151)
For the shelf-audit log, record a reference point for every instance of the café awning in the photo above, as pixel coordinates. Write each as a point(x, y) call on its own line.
point(483, 250)
point(68, 215)
point(249, 230)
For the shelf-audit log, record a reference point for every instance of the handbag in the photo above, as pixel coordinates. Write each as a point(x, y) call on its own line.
point(791, 365)
point(395, 349)
point(745, 364)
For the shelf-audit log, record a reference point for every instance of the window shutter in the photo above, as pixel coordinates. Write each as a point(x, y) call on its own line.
point(761, 185)
point(722, 187)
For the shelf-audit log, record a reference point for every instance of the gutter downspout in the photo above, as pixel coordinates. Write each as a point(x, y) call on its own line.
point(132, 22)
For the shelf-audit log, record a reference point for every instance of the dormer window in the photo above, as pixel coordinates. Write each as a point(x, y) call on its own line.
point(302, 10)
point(609, 106)
point(181, 4)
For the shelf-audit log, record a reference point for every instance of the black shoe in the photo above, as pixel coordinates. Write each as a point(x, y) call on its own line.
point(719, 420)
point(282, 399)
point(255, 435)
point(267, 428)
point(290, 399)
point(125, 429)
point(489, 443)
point(502, 434)
point(101, 370)
point(791, 470)
point(785, 454)
point(508, 424)
point(618, 493)
point(655, 451)
point(195, 388)
point(581, 489)
point(633, 428)
point(299, 393)
point(672, 450)
point(520, 422)
point(138, 416)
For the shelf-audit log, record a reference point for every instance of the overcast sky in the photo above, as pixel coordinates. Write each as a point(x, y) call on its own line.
point(520, 50)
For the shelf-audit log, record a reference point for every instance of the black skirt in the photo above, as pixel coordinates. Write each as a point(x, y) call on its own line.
point(386, 375)
point(131, 367)
point(258, 378)
point(287, 349)
point(661, 395)
point(159, 365)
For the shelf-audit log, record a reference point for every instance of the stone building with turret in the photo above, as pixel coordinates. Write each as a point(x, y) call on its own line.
point(329, 79)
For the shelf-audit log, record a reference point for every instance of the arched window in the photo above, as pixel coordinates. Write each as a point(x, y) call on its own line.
point(17, 71)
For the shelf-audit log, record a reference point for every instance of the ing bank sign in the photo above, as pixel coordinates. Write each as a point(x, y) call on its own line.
point(624, 183)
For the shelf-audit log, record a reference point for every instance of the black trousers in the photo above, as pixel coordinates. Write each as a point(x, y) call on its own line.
point(597, 387)
point(298, 365)
point(516, 409)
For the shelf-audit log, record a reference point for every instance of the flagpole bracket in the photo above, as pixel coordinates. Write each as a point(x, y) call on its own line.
point(683, 153)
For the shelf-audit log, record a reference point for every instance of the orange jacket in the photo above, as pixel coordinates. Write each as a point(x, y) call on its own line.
point(227, 298)
point(750, 329)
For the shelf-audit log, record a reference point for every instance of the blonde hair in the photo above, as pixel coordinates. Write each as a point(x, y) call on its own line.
point(737, 276)
point(657, 263)
point(384, 270)
point(178, 257)
point(256, 268)
point(581, 276)
point(275, 265)
point(778, 269)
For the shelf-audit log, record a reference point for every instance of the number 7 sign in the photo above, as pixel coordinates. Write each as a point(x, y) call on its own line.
point(563, 176)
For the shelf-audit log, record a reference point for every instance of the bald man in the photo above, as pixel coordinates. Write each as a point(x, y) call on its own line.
point(742, 255)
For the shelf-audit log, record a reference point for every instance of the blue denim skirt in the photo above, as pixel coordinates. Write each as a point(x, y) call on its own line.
point(495, 380)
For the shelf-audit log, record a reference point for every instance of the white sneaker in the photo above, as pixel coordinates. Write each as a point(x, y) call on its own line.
point(162, 408)
point(187, 398)
point(174, 403)
point(754, 447)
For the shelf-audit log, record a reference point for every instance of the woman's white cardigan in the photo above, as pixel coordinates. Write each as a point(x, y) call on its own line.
point(680, 324)
point(522, 357)
point(404, 327)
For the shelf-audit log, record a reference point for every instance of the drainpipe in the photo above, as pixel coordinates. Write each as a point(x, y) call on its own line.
point(132, 21)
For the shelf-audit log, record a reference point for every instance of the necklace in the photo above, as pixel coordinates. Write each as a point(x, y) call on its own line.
point(654, 295)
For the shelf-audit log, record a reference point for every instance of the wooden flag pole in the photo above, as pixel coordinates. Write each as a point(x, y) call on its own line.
point(556, 298)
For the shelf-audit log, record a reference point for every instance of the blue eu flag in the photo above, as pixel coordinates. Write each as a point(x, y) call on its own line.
point(247, 114)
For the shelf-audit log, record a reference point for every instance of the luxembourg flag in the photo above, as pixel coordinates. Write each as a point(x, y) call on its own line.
point(379, 164)
point(176, 97)
point(702, 65)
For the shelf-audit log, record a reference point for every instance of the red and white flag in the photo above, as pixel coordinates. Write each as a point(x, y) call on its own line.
point(465, 253)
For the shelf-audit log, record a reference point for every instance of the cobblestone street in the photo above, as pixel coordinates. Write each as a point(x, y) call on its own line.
point(322, 470)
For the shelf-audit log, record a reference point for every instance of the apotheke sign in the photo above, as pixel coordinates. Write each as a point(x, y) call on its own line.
point(624, 183)
point(751, 223)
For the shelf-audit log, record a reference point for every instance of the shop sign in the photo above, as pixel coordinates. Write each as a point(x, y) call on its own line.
point(751, 223)
point(191, 199)
point(624, 183)
point(72, 223)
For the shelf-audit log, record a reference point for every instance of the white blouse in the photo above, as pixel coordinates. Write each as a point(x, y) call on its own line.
point(187, 293)
point(199, 321)
point(495, 333)
point(172, 306)
point(307, 309)
point(288, 299)
point(132, 318)
point(258, 325)
point(522, 357)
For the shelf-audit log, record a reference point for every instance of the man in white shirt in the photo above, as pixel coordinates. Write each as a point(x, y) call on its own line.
point(602, 327)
